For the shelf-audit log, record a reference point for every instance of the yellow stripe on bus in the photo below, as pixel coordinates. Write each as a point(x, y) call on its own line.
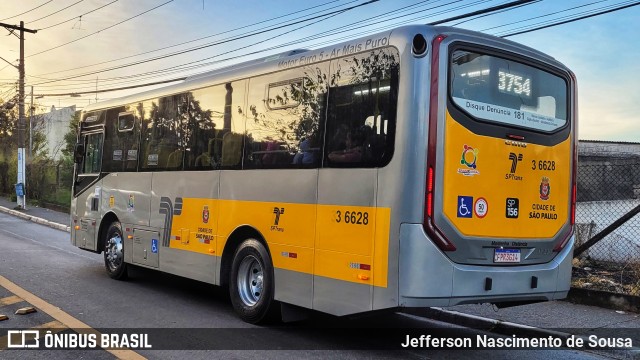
point(347, 243)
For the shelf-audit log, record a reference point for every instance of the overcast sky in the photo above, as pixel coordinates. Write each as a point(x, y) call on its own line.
point(603, 51)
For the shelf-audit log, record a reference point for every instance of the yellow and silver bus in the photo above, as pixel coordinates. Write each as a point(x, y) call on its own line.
point(423, 166)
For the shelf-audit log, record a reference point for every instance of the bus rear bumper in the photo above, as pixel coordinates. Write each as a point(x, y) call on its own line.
point(429, 278)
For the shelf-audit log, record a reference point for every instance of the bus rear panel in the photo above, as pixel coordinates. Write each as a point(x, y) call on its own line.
point(500, 178)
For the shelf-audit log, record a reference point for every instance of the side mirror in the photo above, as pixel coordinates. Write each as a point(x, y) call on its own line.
point(78, 153)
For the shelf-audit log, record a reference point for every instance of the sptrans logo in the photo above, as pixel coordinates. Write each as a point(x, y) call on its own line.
point(514, 159)
point(276, 221)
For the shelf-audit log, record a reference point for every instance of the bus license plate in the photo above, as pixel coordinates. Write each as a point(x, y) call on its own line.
point(507, 256)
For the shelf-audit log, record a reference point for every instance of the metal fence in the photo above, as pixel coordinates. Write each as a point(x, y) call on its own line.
point(607, 190)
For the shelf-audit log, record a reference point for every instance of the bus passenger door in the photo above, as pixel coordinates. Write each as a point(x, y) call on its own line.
point(87, 191)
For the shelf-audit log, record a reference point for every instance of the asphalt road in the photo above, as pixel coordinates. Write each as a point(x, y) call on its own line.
point(185, 315)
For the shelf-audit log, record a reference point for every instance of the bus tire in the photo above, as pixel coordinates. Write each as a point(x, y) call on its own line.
point(251, 283)
point(114, 252)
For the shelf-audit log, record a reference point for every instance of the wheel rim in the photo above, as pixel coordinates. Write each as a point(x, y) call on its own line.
point(113, 251)
point(250, 280)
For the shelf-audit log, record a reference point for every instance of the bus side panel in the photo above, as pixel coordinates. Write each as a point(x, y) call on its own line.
point(192, 265)
point(281, 205)
point(401, 183)
point(185, 212)
point(343, 281)
point(87, 213)
point(127, 195)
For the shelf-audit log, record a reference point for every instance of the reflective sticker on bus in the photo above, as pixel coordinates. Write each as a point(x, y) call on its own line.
point(469, 159)
point(464, 206)
point(481, 207)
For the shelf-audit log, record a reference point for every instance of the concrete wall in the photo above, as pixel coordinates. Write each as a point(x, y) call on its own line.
point(588, 148)
point(608, 171)
point(55, 124)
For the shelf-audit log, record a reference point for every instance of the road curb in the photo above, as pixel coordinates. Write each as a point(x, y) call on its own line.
point(486, 324)
point(35, 219)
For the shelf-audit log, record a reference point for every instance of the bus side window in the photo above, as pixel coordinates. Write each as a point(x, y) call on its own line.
point(286, 116)
point(113, 142)
point(215, 127)
point(362, 109)
point(164, 133)
point(93, 154)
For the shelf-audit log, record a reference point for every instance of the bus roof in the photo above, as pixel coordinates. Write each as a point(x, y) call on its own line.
point(293, 58)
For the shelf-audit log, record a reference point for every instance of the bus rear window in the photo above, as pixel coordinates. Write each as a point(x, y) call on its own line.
point(498, 90)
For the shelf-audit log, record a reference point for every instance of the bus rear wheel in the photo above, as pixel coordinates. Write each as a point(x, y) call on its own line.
point(114, 252)
point(251, 285)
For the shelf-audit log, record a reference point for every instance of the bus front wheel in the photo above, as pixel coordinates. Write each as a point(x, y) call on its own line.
point(114, 252)
point(251, 285)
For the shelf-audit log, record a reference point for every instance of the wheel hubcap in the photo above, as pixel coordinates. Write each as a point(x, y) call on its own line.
point(250, 280)
point(113, 251)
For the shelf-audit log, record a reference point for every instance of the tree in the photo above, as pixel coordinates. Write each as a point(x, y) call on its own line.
point(70, 138)
point(8, 146)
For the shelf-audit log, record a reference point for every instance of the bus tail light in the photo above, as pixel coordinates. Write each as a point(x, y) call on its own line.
point(573, 205)
point(563, 243)
point(429, 227)
point(430, 192)
point(435, 234)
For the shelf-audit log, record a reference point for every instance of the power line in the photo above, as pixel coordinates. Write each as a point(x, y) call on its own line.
point(484, 11)
point(202, 38)
point(11, 17)
point(545, 15)
point(493, 13)
point(331, 32)
point(164, 72)
point(191, 65)
point(115, 89)
point(53, 13)
point(6, 94)
point(108, 27)
point(555, 20)
point(251, 45)
point(575, 19)
point(398, 10)
point(8, 62)
point(209, 45)
point(79, 16)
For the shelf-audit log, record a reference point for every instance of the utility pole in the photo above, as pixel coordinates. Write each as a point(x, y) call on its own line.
point(31, 128)
point(21, 121)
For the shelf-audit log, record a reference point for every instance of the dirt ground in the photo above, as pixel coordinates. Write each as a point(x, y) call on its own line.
point(598, 275)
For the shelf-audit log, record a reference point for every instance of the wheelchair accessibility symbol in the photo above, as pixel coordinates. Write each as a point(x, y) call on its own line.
point(154, 246)
point(465, 206)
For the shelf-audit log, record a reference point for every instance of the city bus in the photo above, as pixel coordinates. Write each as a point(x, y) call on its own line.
point(422, 166)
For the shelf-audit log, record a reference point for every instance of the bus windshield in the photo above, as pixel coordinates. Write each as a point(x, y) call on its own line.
point(503, 91)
